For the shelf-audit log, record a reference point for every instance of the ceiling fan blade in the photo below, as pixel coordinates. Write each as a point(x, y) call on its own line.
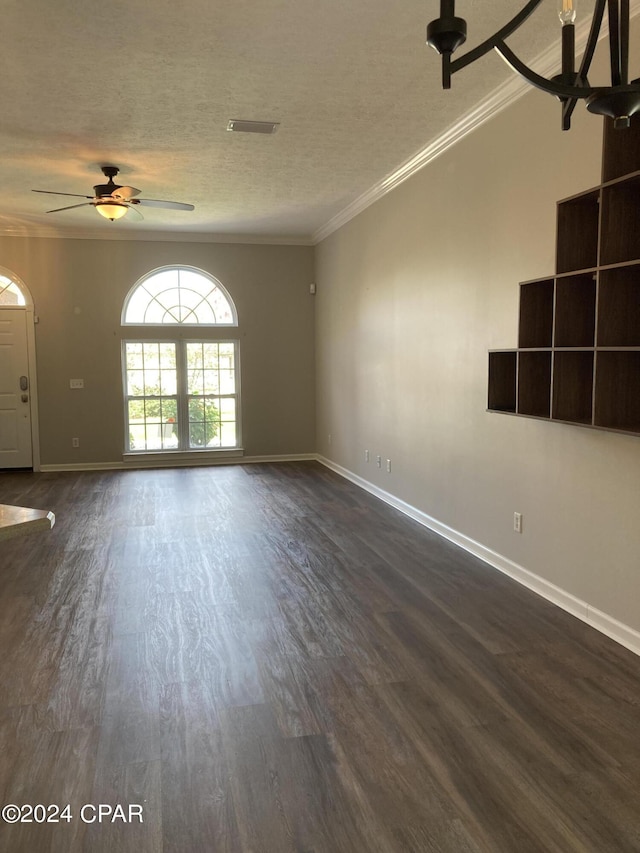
point(133, 212)
point(72, 206)
point(125, 192)
point(54, 192)
point(169, 205)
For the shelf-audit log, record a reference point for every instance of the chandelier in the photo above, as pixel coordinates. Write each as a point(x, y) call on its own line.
point(620, 100)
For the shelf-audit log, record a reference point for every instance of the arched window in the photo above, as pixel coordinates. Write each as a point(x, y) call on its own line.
point(179, 295)
point(181, 394)
point(10, 292)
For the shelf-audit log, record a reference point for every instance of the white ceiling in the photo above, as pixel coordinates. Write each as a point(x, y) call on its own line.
point(150, 87)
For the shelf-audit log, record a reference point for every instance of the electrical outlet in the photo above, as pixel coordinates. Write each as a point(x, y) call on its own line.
point(388, 466)
point(75, 442)
point(379, 461)
point(76, 383)
point(366, 456)
point(517, 522)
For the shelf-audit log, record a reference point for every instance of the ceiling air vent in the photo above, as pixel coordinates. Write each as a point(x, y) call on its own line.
point(240, 126)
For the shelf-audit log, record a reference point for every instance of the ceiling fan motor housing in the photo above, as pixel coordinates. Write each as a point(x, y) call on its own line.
point(108, 188)
point(101, 190)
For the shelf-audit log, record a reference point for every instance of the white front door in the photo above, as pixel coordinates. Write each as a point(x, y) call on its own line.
point(15, 391)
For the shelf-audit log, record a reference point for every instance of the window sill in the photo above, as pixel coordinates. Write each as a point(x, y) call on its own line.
point(180, 457)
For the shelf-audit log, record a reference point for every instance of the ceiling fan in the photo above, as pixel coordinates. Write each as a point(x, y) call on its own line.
point(113, 201)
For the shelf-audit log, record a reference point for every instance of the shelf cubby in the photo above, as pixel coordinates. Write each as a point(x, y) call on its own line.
point(536, 314)
point(621, 150)
point(575, 311)
point(618, 390)
point(619, 235)
point(573, 386)
point(577, 234)
point(619, 307)
point(502, 381)
point(534, 383)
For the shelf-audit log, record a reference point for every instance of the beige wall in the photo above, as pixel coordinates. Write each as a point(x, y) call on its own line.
point(79, 286)
point(411, 295)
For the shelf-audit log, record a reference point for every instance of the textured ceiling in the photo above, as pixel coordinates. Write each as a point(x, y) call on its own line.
point(150, 87)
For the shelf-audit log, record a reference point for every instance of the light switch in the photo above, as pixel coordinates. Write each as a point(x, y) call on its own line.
point(76, 383)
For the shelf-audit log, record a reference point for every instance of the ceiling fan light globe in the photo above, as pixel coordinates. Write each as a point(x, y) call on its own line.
point(111, 210)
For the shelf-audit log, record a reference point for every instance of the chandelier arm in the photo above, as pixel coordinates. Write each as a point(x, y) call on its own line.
point(496, 38)
point(614, 42)
point(592, 41)
point(624, 41)
point(568, 106)
point(561, 90)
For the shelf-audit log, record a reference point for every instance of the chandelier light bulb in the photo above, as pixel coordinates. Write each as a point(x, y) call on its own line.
point(567, 11)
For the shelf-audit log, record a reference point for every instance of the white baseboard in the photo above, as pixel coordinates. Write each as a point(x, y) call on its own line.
point(141, 462)
point(82, 466)
point(618, 631)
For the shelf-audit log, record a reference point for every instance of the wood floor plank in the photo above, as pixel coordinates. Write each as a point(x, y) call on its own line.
point(51, 768)
point(136, 787)
point(197, 806)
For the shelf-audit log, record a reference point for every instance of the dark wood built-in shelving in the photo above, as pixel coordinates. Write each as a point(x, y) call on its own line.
point(578, 354)
point(502, 381)
point(577, 234)
point(536, 314)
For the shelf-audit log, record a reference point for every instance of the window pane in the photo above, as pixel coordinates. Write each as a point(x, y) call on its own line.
point(212, 409)
point(199, 434)
point(227, 351)
point(203, 314)
point(167, 356)
point(135, 383)
point(228, 435)
point(227, 407)
point(170, 300)
point(152, 409)
point(210, 384)
point(179, 296)
point(136, 425)
point(194, 381)
point(161, 281)
point(189, 299)
point(151, 383)
point(151, 356)
point(195, 355)
point(136, 307)
point(168, 382)
point(227, 382)
point(210, 355)
point(10, 293)
point(134, 356)
point(196, 410)
point(155, 314)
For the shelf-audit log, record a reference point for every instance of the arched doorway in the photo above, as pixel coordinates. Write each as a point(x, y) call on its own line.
point(18, 402)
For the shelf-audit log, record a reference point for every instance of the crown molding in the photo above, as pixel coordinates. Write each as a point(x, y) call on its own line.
point(31, 230)
point(506, 94)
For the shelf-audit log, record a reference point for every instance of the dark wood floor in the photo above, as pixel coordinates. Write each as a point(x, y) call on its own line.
point(266, 658)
